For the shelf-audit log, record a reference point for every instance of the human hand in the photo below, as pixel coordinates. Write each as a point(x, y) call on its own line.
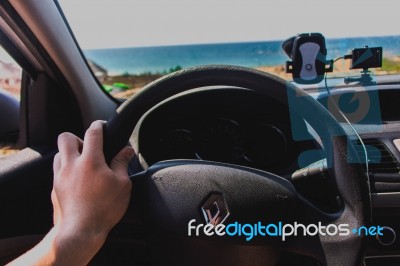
point(89, 197)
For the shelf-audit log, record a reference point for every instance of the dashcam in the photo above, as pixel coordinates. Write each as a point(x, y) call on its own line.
point(367, 57)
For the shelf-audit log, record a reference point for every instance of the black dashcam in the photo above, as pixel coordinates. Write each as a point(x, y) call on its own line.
point(367, 57)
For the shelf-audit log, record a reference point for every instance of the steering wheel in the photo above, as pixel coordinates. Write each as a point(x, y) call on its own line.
point(168, 195)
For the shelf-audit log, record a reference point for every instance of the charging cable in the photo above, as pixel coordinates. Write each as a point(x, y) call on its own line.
point(352, 128)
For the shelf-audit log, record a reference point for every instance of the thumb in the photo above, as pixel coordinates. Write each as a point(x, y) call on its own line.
point(119, 163)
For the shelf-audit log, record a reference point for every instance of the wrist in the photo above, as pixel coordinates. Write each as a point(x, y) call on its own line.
point(79, 246)
point(81, 231)
point(63, 247)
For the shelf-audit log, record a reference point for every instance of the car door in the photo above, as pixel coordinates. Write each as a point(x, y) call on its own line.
point(46, 108)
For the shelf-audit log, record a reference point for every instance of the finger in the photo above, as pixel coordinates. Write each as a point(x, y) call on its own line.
point(68, 146)
point(93, 141)
point(56, 164)
point(119, 164)
point(56, 207)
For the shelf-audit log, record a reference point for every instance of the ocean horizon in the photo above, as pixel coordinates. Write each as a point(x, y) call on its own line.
point(160, 59)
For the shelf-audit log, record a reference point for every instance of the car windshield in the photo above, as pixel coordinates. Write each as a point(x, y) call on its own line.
point(131, 43)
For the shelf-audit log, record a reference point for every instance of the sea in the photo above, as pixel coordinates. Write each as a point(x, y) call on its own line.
point(161, 59)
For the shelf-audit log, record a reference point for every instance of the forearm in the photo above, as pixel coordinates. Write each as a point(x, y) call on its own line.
point(62, 248)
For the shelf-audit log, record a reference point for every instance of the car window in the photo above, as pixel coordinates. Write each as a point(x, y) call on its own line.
point(10, 89)
point(130, 43)
point(10, 74)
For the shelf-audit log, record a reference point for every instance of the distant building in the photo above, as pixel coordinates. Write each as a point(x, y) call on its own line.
point(9, 71)
point(10, 77)
point(99, 71)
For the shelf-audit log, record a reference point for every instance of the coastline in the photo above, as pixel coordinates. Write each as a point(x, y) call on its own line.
point(136, 82)
point(341, 68)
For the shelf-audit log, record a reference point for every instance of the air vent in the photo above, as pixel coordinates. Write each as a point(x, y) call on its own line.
point(381, 160)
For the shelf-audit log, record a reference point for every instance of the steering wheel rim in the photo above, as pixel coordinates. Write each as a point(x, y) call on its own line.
point(353, 192)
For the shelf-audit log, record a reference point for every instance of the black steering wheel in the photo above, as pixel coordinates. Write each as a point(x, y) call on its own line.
point(168, 195)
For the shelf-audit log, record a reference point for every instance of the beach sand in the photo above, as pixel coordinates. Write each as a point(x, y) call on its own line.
point(341, 69)
point(6, 152)
point(136, 82)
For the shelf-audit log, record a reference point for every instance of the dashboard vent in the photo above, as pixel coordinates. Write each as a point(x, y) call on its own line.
point(381, 160)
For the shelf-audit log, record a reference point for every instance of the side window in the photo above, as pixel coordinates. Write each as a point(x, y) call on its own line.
point(10, 92)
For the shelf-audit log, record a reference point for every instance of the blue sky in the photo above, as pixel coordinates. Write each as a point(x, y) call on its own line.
point(127, 23)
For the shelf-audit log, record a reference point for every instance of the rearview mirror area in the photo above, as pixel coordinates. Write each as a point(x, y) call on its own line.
point(308, 54)
point(9, 120)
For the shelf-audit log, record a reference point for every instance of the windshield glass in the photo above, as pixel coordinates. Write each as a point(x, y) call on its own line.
point(130, 43)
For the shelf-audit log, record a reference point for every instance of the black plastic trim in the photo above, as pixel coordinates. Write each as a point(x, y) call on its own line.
point(118, 102)
point(12, 50)
point(386, 200)
point(34, 44)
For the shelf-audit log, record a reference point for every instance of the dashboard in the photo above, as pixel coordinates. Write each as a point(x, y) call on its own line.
point(230, 125)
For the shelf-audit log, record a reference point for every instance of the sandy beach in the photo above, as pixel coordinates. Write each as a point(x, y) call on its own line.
point(137, 81)
point(341, 68)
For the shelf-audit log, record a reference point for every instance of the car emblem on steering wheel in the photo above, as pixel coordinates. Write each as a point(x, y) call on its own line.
point(215, 210)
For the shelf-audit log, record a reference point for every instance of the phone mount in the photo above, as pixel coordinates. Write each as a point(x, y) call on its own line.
point(365, 78)
point(308, 54)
